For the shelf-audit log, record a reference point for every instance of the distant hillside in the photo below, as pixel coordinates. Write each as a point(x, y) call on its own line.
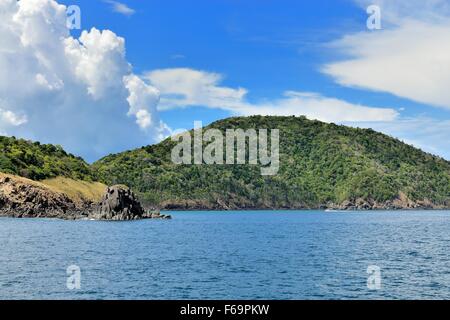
point(40, 161)
point(321, 165)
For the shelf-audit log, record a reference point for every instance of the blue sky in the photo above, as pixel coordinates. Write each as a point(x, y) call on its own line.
point(252, 57)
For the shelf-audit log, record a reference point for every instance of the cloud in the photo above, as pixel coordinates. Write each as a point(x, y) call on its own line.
point(9, 118)
point(182, 87)
point(409, 59)
point(140, 97)
point(98, 60)
point(121, 8)
point(77, 92)
point(82, 92)
point(316, 106)
point(396, 11)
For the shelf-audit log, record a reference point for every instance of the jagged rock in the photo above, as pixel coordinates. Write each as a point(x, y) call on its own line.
point(119, 203)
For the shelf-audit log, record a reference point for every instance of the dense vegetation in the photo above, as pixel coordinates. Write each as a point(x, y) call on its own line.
point(40, 161)
point(319, 163)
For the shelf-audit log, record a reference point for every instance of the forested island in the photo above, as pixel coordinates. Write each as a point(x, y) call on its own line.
point(321, 166)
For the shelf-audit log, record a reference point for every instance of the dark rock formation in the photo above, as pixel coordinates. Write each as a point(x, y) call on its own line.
point(120, 203)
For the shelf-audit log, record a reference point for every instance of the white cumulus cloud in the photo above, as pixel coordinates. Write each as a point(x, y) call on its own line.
point(77, 92)
point(98, 60)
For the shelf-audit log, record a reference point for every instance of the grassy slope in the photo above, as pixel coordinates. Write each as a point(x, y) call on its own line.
point(24, 180)
point(77, 190)
point(320, 163)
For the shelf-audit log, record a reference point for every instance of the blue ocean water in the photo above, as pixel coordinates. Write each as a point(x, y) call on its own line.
point(230, 255)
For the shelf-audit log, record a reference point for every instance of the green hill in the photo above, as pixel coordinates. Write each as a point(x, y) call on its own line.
point(40, 161)
point(320, 165)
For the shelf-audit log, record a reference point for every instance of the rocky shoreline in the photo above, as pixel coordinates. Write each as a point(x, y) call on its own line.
point(400, 203)
point(23, 198)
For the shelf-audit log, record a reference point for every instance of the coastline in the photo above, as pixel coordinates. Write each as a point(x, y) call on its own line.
point(377, 207)
point(303, 210)
point(25, 198)
point(168, 213)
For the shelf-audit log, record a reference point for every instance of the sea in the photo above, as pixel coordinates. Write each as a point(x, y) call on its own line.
point(230, 255)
